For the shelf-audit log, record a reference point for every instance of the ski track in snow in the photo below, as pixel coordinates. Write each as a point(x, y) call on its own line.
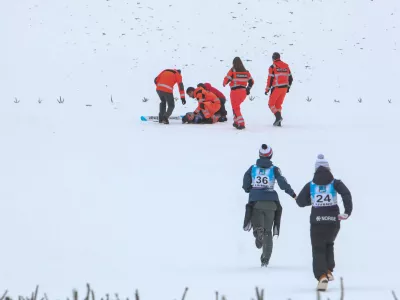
point(92, 194)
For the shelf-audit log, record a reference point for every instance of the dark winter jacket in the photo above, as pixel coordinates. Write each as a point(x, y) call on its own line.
point(325, 215)
point(263, 194)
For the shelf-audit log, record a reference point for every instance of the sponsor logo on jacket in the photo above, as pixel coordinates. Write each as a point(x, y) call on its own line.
point(325, 218)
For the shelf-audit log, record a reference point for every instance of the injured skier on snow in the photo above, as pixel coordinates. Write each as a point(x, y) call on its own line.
point(207, 111)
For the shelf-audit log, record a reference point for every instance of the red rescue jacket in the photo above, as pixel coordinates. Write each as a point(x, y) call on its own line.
point(279, 76)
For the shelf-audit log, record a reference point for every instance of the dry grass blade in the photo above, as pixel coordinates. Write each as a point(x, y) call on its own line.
point(137, 295)
point(223, 298)
point(394, 295)
point(184, 293)
point(4, 295)
point(341, 289)
point(88, 291)
point(34, 296)
point(93, 297)
point(217, 295)
point(116, 296)
point(318, 295)
point(75, 294)
point(45, 297)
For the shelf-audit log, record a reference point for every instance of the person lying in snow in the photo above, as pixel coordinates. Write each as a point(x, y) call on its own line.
point(206, 111)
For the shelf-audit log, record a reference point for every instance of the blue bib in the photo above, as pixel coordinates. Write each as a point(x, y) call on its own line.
point(323, 195)
point(263, 179)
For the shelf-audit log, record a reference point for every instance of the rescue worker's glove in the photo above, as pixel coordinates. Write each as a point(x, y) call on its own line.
point(202, 105)
point(183, 101)
point(266, 93)
point(288, 89)
point(248, 91)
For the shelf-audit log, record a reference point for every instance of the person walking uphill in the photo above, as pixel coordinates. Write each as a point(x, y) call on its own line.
point(321, 194)
point(279, 82)
point(263, 211)
point(241, 82)
point(165, 82)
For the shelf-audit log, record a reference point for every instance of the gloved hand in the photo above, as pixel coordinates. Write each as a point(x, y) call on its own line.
point(288, 89)
point(183, 101)
point(247, 227)
point(343, 217)
point(266, 92)
point(248, 91)
point(294, 196)
point(202, 105)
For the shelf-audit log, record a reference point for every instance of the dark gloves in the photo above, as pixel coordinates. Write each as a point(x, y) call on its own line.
point(183, 101)
point(247, 217)
point(202, 105)
point(266, 93)
point(288, 89)
point(248, 91)
point(294, 196)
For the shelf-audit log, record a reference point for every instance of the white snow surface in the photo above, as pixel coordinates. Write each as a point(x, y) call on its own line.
point(92, 194)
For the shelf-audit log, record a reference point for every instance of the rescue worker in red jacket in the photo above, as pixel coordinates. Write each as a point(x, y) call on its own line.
point(241, 82)
point(207, 107)
point(222, 112)
point(279, 81)
point(165, 82)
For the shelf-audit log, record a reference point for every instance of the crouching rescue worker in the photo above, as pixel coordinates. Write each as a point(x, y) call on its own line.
point(264, 211)
point(208, 106)
point(165, 82)
point(222, 112)
point(321, 194)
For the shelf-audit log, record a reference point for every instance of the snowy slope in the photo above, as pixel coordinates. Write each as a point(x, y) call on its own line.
point(90, 194)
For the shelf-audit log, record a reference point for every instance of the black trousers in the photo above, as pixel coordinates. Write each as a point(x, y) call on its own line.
point(322, 240)
point(166, 99)
point(222, 111)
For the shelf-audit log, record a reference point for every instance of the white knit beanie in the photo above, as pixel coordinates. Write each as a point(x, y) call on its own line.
point(321, 162)
point(265, 151)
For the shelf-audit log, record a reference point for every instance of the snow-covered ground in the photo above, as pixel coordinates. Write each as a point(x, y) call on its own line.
point(91, 194)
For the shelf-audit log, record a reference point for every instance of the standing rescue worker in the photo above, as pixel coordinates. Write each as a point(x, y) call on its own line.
point(279, 82)
point(241, 82)
point(208, 87)
point(208, 106)
point(263, 211)
point(165, 82)
point(321, 194)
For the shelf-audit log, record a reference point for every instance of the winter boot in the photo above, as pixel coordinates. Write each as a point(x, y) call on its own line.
point(330, 276)
point(264, 261)
point(322, 283)
point(160, 119)
point(240, 127)
point(278, 120)
point(165, 120)
point(235, 125)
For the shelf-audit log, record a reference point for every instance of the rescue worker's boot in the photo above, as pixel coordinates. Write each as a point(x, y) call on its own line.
point(235, 125)
point(223, 119)
point(165, 120)
point(240, 127)
point(278, 120)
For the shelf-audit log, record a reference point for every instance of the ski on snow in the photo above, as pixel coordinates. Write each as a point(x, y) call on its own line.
point(155, 118)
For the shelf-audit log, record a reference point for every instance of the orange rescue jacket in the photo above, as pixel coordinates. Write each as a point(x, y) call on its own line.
point(166, 80)
point(208, 102)
point(279, 76)
point(238, 80)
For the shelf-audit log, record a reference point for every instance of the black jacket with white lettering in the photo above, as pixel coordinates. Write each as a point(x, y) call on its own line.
point(325, 215)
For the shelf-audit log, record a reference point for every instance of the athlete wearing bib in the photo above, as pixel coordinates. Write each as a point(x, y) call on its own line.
point(263, 211)
point(321, 194)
